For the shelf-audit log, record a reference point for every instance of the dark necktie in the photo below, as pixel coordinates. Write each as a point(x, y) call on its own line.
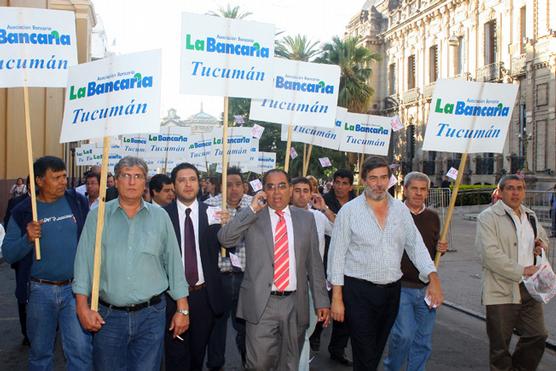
point(191, 272)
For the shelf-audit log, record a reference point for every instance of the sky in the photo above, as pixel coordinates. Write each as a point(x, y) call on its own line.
point(138, 25)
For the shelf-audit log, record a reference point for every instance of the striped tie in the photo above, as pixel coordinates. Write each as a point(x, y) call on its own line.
point(281, 254)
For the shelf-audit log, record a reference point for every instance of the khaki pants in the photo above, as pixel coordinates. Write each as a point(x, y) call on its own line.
point(528, 320)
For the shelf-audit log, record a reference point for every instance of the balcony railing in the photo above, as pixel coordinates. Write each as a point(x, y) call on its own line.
point(428, 90)
point(518, 65)
point(484, 166)
point(411, 95)
point(490, 72)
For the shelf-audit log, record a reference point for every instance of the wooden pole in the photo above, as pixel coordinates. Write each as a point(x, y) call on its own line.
point(288, 149)
point(308, 159)
point(361, 159)
point(224, 187)
point(448, 219)
point(100, 223)
point(32, 189)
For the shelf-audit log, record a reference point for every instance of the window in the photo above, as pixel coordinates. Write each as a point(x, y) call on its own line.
point(411, 72)
point(460, 56)
point(490, 46)
point(392, 79)
point(522, 29)
point(433, 63)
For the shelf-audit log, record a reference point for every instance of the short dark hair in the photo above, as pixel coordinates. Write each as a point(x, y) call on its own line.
point(505, 178)
point(45, 163)
point(374, 162)
point(183, 166)
point(157, 182)
point(301, 180)
point(234, 170)
point(92, 174)
point(343, 173)
point(216, 181)
point(276, 171)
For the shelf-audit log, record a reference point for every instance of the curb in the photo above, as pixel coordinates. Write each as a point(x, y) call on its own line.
point(550, 344)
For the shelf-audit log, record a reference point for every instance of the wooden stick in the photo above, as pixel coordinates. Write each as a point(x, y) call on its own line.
point(361, 159)
point(224, 187)
point(306, 165)
point(100, 224)
point(304, 158)
point(448, 218)
point(32, 190)
point(288, 150)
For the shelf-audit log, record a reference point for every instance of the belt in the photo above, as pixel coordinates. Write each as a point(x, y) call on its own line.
point(53, 283)
point(281, 293)
point(197, 287)
point(382, 285)
point(134, 307)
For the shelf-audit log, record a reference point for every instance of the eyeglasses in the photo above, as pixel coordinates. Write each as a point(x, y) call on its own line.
point(272, 187)
point(127, 177)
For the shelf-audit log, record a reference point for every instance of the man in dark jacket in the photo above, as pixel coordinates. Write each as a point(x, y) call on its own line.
point(61, 216)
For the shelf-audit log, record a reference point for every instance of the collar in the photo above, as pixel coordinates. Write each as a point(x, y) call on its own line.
point(119, 207)
point(417, 213)
point(286, 210)
point(511, 211)
point(182, 207)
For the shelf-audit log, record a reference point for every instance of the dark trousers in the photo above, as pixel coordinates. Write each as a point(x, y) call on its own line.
point(528, 320)
point(231, 281)
point(22, 311)
point(370, 312)
point(189, 354)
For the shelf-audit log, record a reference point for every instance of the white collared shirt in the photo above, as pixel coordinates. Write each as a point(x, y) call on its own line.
point(324, 227)
point(195, 219)
point(525, 236)
point(291, 248)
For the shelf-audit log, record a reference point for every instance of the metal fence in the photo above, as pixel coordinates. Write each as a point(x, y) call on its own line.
point(439, 199)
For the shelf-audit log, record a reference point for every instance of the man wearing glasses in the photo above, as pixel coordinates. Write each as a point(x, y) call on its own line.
point(282, 255)
point(140, 262)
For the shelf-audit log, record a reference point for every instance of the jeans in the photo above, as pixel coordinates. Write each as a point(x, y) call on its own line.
point(304, 359)
point(130, 340)
point(411, 336)
point(50, 307)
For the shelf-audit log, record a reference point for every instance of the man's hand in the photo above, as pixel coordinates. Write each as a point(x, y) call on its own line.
point(224, 216)
point(434, 291)
point(258, 202)
point(539, 246)
point(318, 202)
point(34, 230)
point(530, 270)
point(89, 319)
point(442, 246)
point(338, 310)
point(323, 315)
point(179, 324)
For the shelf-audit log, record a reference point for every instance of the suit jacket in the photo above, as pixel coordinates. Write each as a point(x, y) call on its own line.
point(209, 249)
point(259, 268)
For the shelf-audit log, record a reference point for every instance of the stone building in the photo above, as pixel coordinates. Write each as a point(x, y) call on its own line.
point(421, 41)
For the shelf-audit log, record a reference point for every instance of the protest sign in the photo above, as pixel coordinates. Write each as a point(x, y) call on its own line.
point(293, 153)
point(396, 123)
point(112, 96)
point(37, 47)
point(452, 173)
point(325, 162)
point(364, 133)
point(225, 57)
point(265, 161)
point(302, 93)
point(170, 144)
point(257, 131)
point(321, 137)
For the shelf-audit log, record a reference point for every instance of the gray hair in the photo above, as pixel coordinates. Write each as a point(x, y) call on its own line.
point(416, 175)
point(130, 161)
point(505, 178)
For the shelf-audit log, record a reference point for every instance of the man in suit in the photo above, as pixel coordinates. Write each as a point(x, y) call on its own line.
point(282, 256)
point(199, 249)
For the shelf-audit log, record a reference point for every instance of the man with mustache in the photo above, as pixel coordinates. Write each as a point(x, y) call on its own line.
point(371, 232)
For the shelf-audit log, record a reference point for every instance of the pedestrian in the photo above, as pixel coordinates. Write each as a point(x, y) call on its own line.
point(18, 189)
point(140, 263)
point(410, 341)
point(92, 186)
point(161, 189)
point(370, 235)
point(61, 214)
point(282, 262)
point(509, 238)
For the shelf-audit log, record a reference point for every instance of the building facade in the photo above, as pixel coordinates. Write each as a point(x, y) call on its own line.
point(422, 41)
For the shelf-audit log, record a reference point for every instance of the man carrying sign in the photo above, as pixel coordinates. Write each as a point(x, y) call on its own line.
point(140, 262)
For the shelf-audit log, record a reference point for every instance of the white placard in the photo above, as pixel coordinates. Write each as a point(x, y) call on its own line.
point(225, 57)
point(325, 162)
point(212, 215)
point(234, 259)
point(303, 93)
point(467, 116)
point(265, 161)
point(452, 173)
point(37, 47)
point(112, 96)
point(171, 143)
point(241, 145)
point(256, 185)
point(134, 145)
point(396, 123)
point(364, 133)
point(321, 137)
point(393, 181)
point(257, 131)
point(293, 153)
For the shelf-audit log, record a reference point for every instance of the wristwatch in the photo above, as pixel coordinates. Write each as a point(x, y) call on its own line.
point(185, 312)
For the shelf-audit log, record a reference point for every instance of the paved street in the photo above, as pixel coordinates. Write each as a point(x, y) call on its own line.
point(459, 342)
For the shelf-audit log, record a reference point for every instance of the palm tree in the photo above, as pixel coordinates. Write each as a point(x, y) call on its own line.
point(230, 12)
point(354, 61)
point(297, 48)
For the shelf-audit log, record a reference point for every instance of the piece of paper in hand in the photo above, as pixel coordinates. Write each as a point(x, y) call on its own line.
point(452, 173)
point(234, 259)
point(256, 185)
point(392, 182)
point(211, 214)
point(257, 131)
point(396, 123)
point(293, 153)
point(325, 162)
point(239, 119)
point(428, 301)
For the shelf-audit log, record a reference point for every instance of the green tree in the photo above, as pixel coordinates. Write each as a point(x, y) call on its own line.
point(297, 48)
point(230, 12)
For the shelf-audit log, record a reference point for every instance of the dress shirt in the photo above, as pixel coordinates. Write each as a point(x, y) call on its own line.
point(324, 227)
point(360, 248)
point(140, 257)
point(291, 248)
point(224, 263)
point(525, 236)
point(195, 219)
